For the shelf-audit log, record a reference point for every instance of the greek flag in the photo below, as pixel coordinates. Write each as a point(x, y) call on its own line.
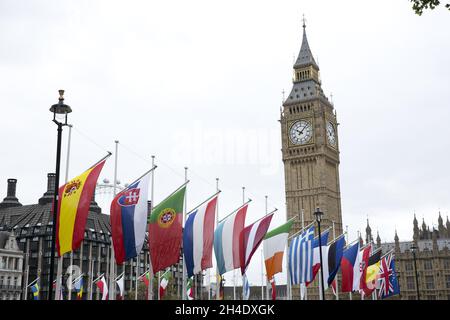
point(301, 257)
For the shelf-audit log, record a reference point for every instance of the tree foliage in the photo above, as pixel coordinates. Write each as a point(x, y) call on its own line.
point(420, 5)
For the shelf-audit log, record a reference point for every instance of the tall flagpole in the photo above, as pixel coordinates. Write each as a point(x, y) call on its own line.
point(336, 277)
point(302, 285)
point(288, 277)
point(262, 258)
point(234, 271)
point(184, 279)
point(150, 286)
point(60, 259)
point(217, 223)
point(112, 260)
point(137, 275)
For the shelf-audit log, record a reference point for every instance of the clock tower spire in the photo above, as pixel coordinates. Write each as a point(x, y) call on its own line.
point(310, 148)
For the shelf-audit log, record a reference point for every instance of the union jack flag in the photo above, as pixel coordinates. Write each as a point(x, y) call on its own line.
point(388, 278)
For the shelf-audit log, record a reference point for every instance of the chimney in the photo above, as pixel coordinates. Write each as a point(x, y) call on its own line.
point(48, 195)
point(94, 205)
point(11, 199)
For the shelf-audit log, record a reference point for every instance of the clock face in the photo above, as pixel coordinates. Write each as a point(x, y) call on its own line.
point(331, 134)
point(301, 132)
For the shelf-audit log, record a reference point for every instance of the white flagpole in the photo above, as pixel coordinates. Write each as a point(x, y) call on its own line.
point(288, 277)
point(137, 274)
point(60, 259)
point(150, 286)
point(263, 265)
point(336, 277)
point(234, 271)
point(90, 283)
point(26, 281)
point(302, 284)
point(184, 223)
point(112, 260)
point(217, 223)
point(350, 293)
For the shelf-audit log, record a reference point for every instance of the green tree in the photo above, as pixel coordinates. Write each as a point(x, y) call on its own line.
point(420, 5)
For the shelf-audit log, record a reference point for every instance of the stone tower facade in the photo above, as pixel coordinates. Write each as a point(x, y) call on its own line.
point(310, 146)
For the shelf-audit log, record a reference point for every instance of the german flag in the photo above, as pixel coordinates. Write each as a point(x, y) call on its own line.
point(73, 208)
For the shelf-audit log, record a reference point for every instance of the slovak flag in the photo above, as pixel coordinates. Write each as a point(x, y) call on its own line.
point(129, 211)
point(350, 268)
point(198, 238)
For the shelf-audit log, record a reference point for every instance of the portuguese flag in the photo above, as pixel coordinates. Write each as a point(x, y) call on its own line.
point(274, 244)
point(165, 231)
point(73, 208)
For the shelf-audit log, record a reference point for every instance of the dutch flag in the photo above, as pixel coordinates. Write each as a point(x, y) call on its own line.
point(198, 238)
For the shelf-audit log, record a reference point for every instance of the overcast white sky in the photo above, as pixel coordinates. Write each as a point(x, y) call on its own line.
point(199, 84)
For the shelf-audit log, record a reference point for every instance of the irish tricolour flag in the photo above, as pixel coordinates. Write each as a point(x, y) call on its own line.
point(274, 244)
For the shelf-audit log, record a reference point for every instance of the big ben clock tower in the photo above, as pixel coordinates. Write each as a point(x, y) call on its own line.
point(310, 147)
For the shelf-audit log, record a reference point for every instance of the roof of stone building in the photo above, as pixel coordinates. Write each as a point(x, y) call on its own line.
point(38, 215)
point(423, 245)
point(33, 220)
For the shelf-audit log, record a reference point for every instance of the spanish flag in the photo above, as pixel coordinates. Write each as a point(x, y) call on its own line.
point(73, 208)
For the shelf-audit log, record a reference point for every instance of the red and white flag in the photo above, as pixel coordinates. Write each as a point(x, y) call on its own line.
point(101, 284)
point(250, 239)
point(274, 288)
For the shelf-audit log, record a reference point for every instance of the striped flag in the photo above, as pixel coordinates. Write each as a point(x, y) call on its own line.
point(350, 268)
point(331, 261)
point(102, 285)
point(226, 241)
point(73, 207)
point(316, 253)
point(120, 284)
point(129, 211)
point(273, 245)
point(301, 257)
point(250, 239)
point(164, 282)
point(198, 238)
point(190, 289)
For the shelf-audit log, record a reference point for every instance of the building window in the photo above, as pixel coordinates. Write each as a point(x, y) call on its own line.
point(447, 264)
point(408, 266)
point(429, 282)
point(432, 297)
point(447, 281)
point(410, 284)
point(428, 265)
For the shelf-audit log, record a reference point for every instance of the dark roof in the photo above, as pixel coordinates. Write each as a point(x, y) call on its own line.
point(36, 215)
point(305, 56)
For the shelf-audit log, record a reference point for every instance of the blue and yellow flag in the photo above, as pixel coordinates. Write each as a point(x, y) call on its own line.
point(79, 288)
point(35, 290)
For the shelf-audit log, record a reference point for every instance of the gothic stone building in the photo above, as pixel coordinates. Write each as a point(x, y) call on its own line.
point(11, 261)
point(432, 260)
point(32, 225)
point(310, 150)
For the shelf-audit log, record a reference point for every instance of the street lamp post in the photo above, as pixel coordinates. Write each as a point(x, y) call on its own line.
point(318, 214)
point(60, 112)
point(413, 250)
